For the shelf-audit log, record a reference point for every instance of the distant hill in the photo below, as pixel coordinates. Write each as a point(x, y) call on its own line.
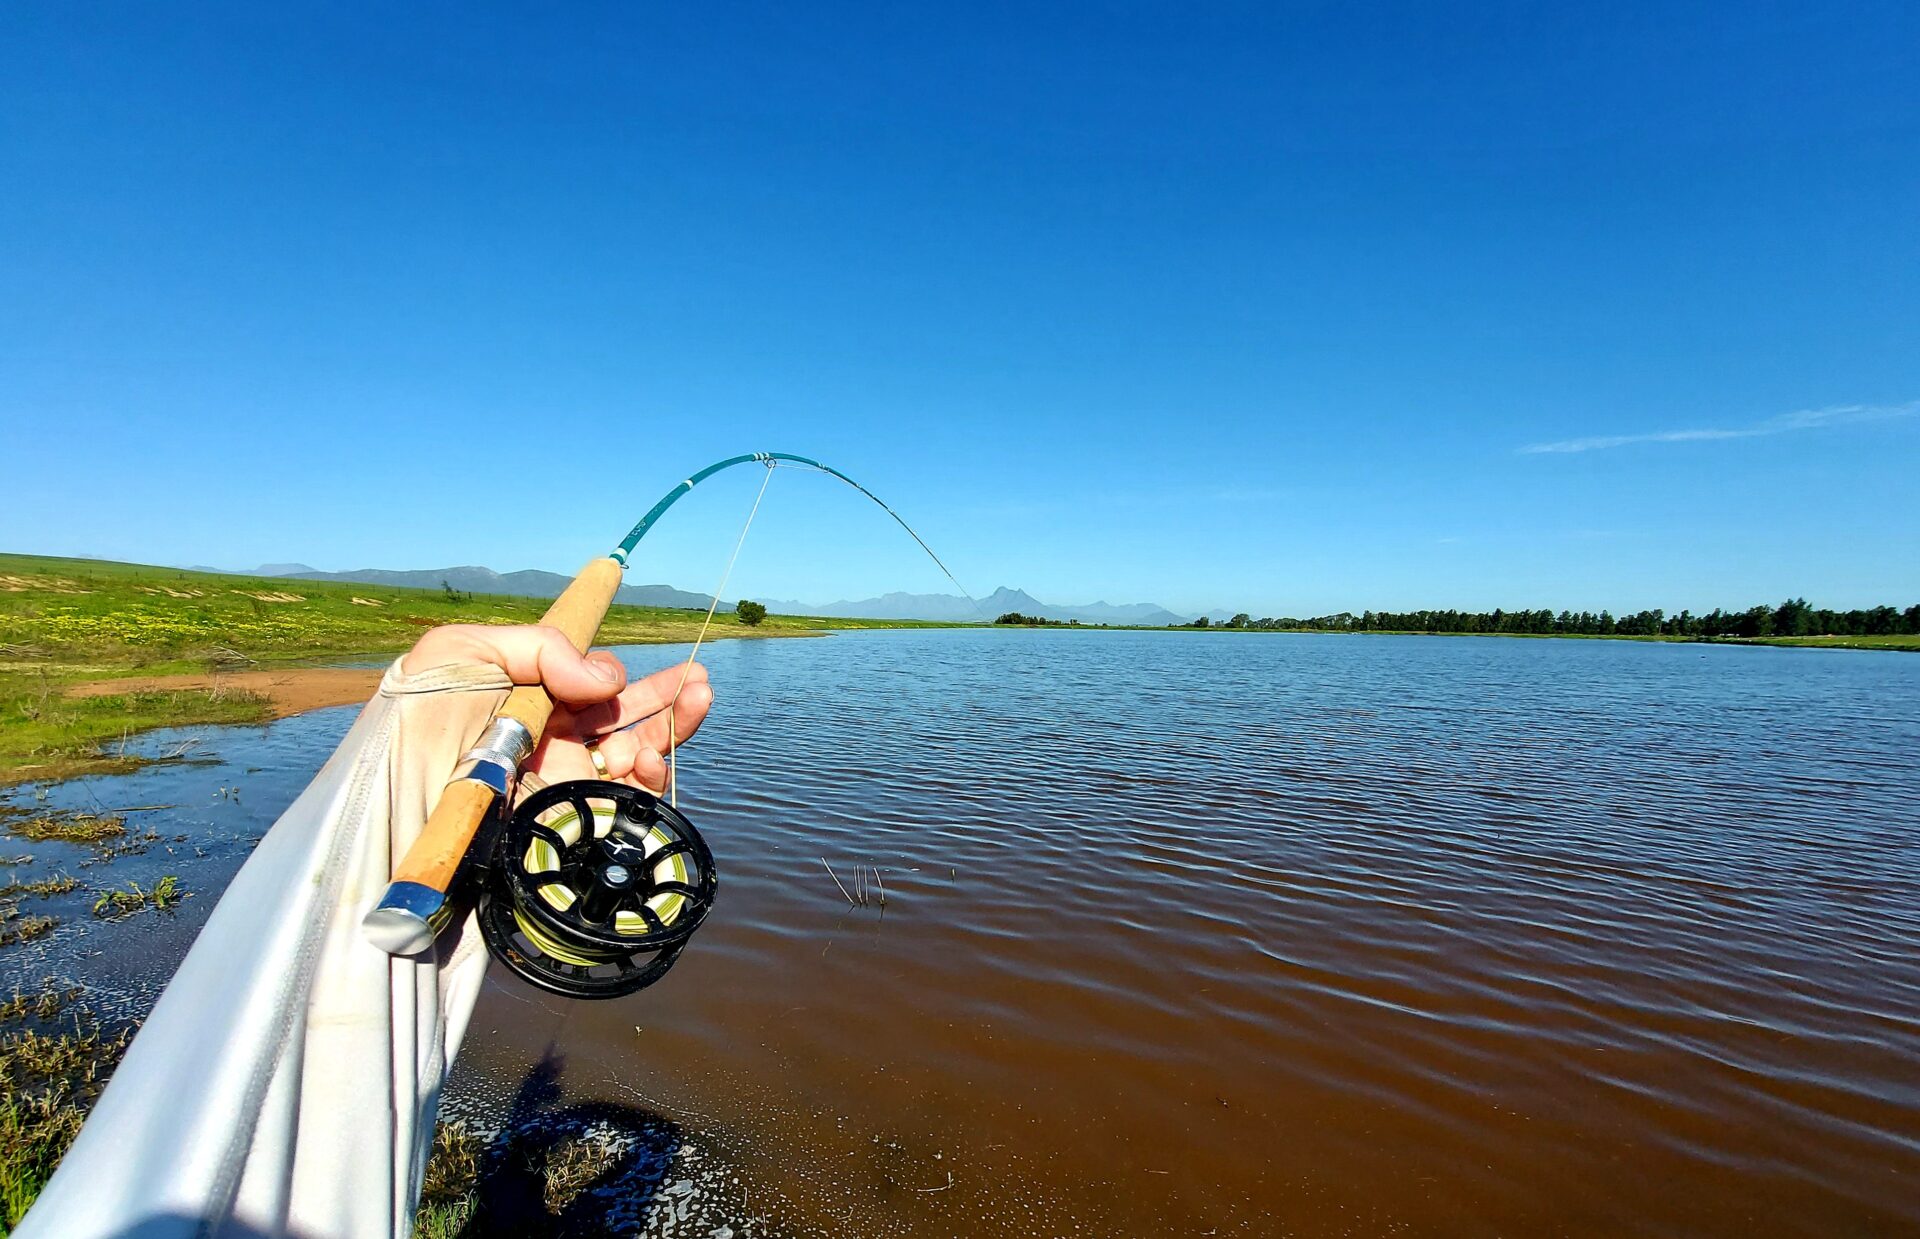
point(262, 570)
point(949, 608)
point(530, 583)
point(946, 608)
point(952, 608)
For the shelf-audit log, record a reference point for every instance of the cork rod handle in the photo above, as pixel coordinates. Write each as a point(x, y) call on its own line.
point(577, 612)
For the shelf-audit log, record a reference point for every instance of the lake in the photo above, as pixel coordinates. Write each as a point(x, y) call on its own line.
point(1239, 934)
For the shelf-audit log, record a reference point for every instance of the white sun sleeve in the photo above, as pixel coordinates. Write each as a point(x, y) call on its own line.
point(287, 1080)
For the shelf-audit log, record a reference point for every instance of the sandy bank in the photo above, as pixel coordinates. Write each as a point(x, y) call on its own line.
point(291, 690)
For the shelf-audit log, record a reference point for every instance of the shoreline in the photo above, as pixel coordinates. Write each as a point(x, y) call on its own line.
point(93, 653)
point(216, 698)
point(1899, 643)
point(153, 701)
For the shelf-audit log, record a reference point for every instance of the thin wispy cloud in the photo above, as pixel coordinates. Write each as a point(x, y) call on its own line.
point(1785, 423)
point(1250, 494)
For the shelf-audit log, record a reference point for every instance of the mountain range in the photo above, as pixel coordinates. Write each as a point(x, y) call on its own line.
point(954, 608)
point(947, 608)
point(529, 583)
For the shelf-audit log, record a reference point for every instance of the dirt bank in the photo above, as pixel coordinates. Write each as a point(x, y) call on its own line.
point(291, 690)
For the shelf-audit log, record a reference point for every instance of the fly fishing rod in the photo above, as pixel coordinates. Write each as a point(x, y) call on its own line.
point(589, 888)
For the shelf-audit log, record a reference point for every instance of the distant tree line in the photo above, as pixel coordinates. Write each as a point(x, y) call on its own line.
point(1792, 618)
point(1036, 621)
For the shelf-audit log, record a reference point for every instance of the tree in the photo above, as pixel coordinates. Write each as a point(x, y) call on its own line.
point(749, 611)
point(1793, 618)
point(1240, 621)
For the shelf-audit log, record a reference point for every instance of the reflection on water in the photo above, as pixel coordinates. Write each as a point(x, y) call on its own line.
point(1267, 933)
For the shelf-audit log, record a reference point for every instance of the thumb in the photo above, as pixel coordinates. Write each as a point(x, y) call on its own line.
point(530, 654)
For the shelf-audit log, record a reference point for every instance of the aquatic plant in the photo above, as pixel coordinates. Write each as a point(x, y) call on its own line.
point(58, 884)
point(164, 894)
point(44, 1005)
point(112, 849)
point(862, 895)
point(15, 928)
point(572, 1168)
point(69, 827)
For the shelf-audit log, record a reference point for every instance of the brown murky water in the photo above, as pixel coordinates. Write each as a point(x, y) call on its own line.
point(1244, 935)
point(1268, 935)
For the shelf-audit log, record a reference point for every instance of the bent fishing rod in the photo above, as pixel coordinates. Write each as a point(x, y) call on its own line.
point(589, 888)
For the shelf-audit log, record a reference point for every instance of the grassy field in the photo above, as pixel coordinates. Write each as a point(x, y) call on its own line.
point(1908, 642)
point(68, 622)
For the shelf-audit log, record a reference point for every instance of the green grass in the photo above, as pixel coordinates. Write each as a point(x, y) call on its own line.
point(102, 616)
point(65, 622)
point(1909, 642)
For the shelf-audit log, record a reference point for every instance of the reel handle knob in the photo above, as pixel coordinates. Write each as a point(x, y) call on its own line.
point(602, 899)
point(415, 909)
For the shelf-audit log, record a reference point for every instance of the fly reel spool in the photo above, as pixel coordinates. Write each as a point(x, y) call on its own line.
point(593, 889)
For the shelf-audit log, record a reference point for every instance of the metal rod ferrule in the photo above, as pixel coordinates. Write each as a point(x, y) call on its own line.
point(496, 757)
point(505, 742)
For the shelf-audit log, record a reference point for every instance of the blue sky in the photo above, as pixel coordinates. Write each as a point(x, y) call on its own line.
point(1264, 306)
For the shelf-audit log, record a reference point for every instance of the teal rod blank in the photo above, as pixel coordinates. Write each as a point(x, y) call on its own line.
point(770, 460)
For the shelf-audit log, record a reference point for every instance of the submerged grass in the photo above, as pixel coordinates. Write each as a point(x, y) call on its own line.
point(42, 888)
point(69, 827)
point(106, 834)
point(461, 1161)
point(572, 1168)
point(16, 927)
point(44, 1004)
point(50, 1076)
point(54, 1065)
point(451, 1186)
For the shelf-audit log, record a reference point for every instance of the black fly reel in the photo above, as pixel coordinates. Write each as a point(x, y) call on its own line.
point(592, 889)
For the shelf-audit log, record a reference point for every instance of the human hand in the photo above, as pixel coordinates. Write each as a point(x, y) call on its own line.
point(591, 695)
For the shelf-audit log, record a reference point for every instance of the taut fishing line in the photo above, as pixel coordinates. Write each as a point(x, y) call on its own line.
point(589, 888)
point(673, 739)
